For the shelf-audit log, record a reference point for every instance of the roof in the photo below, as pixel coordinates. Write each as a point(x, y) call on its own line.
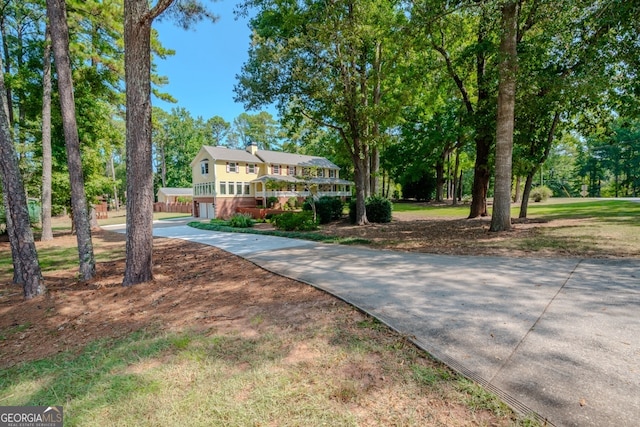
point(230, 154)
point(172, 191)
point(265, 156)
point(278, 157)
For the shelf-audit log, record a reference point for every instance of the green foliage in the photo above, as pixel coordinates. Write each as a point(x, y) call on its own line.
point(294, 221)
point(541, 193)
point(378, 209)
point(293, 202)
point(271, 201)
point(241, 220)
point(327, 208)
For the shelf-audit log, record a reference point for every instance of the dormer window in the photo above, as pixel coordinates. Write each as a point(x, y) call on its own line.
point(204, 167)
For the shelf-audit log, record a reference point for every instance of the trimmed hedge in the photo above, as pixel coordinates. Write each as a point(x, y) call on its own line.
point(378, 209)
point(327, 208)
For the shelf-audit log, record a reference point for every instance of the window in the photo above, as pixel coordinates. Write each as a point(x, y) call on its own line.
point(251, 168)
point(275, 169)
point(239, 188)
point(332, 173)
point(247, 188)
point(204, 167)
point(223, 188)
point(232, 167)
point(320, 173)
point(231, 188)
point(291, 170)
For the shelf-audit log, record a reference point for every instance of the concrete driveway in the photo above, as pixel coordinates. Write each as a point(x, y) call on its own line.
point(559, 337)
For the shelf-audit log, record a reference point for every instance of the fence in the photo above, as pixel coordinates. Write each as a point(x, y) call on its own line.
point(173, 207)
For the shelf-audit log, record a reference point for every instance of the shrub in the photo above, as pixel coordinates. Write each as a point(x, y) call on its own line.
point(327, 208)
point(378, 209)
point(540, 194)
point(294, 221)
point(241, 220)
point(292, 202)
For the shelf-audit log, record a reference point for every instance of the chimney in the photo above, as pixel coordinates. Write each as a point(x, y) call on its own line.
point(252, 148)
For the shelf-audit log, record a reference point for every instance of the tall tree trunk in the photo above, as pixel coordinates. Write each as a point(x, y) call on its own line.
point(501, 217)
point(60, 40)
point(137, 40)
point(524, 205)
point(14, 244)
point(440, 181)
point(454, 190)
point(7, 67)
point(361, 184)
point(377, 97)
point(481, 176)
point(115, 186)
point(374, 177)
point(47, 233)
point(17, 213)
point(484, 138)
point(518, 194)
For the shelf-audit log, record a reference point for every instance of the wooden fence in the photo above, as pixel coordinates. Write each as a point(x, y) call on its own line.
point(173, 207)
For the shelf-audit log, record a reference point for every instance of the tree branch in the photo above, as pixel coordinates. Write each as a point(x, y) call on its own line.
point(157, 10)
point(455, 76)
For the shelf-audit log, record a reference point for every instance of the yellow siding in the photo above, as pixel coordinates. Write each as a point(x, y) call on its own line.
point(196, 174)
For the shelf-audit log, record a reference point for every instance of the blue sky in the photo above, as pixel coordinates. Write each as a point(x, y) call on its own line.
point(208, 57)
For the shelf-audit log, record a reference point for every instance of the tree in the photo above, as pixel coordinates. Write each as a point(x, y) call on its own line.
point(326, 62)
point(47, 232)
point(138, 17)
point(501, 217)
point(25, 261)
point(218, 128)
point(261, 129)
point(80, 211)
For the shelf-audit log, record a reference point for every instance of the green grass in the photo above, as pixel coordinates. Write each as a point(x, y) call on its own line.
point(612, 211)
point(219, 225)
point(620, 211)
point(461, 211)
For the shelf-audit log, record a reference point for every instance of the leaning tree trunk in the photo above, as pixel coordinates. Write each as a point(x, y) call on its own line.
point(137, 39)
point(524, 205)
point(60, 40)
point(501, 216)
point(47, 233)
point(17, 213)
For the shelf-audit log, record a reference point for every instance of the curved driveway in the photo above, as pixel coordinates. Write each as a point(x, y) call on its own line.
point(559, 337)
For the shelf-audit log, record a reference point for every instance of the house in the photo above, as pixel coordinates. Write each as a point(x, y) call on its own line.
point(173, 195)
point(226, 179)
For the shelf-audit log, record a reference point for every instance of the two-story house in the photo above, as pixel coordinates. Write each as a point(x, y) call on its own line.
point(226, 179)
